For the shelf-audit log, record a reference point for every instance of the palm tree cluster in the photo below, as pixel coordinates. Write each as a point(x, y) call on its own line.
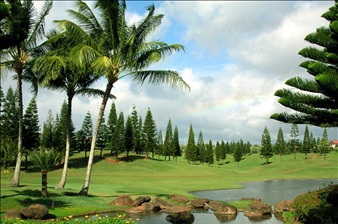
point(75, 55)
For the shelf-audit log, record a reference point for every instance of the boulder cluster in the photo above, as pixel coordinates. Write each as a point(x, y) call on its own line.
point(176, 214)
point(35, 211)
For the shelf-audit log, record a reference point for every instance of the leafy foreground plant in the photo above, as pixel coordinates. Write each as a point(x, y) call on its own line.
point(316, 207)
point(101, 221)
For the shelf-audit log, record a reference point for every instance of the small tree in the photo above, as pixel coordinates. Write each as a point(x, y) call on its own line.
point(238, 153)
point(306, 142)
point(176, 144)
point(280, 144)
point(266, 150)
point(149, 134)
point(294, 141)
point(87, 128)
point(136, 132)
point(223, 151)
point(218, 152)
point(159, 143)
point(210, 153)
point(201, 147)
point(324, 145)
point(167, 140)
point(128, 136)
point(101, 141)
point(118, 136)
point(191, 146)
point(47, 133)
point(111, 127)
point(44, 159)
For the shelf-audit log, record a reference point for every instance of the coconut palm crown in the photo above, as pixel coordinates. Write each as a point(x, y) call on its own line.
point(115, 50)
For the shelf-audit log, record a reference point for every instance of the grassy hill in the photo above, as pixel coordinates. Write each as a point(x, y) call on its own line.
point(153, 177)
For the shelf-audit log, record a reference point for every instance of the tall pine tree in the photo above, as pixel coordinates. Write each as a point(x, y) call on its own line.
point(101, 141)
point(321, 108)
point(191, 148)
point(266, 150)
point(149, 130)
point(223, 151)
point(210, 153)
point(201, 148)
point(168, 140)
point(128, 136)
point(118, 136)
point(294, 141)
point(280, 144)
point(218, 152)
point(176, 144)
point(136, 132)
point(238, 153)
point(47, 133)
point(112, 118)
point(306, 142)
point(30, 134)
point(87, 128)
point(324, 145)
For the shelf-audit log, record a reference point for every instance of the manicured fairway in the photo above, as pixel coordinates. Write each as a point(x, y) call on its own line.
point(153, 177)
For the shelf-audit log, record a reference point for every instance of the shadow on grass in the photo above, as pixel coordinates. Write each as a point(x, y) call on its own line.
point(77, 163)
point(43, 201)
point(32, 193)
point(265, 163)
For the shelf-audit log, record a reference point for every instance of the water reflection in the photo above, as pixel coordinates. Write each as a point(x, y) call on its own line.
point(225, 218)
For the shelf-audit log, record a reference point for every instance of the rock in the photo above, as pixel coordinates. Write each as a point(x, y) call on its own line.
point(178, 198)
point(122, 200)
point(212, 205)
point(35, 211)
point(223, 209)
point(199, 203)
point(135, 210)
point(259, 218)
point(178, 209)
point(150, 206)
point(225, 218)
point(13, 214)
point(283, 206)
point(139, 200)
point(252, 214)
point(252, 199)
point(260, 208)
point(161, 203)
point(181, 218)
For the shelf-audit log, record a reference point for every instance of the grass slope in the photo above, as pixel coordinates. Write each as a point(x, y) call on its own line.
point(153, 177)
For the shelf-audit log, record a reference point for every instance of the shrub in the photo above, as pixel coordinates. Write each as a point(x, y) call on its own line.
point(320, 206)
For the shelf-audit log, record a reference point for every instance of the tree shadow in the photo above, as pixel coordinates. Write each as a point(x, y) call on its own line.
point(227, 162)
point(77, 163)
point(265, 163)
point(32, 193)
point(43, 201)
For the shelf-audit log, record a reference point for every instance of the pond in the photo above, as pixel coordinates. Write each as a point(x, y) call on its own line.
point(270, 192)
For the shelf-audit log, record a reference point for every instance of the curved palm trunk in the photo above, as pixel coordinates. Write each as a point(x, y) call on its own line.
point(62, 182)
point(85, 187)
point(16, 178)
point(44, 192)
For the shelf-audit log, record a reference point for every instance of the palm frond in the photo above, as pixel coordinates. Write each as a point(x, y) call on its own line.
point(50, 66)
point(84, 55)
point(159, 77)
point(44, 159)
point(89, 92)
point(39, 25)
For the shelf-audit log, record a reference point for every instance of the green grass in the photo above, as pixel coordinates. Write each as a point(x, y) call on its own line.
point(153, 177)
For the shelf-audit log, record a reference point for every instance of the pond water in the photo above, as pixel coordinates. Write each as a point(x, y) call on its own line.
point(270, 192)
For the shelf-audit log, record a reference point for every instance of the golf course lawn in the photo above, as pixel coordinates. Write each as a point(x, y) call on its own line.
point(153, 177)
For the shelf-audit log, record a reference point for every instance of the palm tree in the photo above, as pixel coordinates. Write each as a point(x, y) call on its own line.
point(117, 50)
point(16, 59)
point(59, 72)
point(44, 160)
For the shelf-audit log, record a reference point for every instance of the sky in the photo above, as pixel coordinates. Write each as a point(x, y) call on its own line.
point(237, 54)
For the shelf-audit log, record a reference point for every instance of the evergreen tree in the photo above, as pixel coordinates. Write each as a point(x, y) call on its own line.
point(57, 136)
point(324, 145)
point(227, 148)
point(80, 140)
point(87, 128)
point(140, 130)
point(149, 130)
point(30, 129)
point(311, 144)
point(136, 132)
point(266, 150)
point(47, 133)
point(238, 153)
point(112, 118)
point(176, 144)
point(218, 152)
point(10, 115)
point(280, 144)
point(129, 136)
point(248, 147)
point(232, 147)
point(201, 148)
point(159, 143)
point(101, 141)
point(167, 140)
point(306, 142)
point(223, 151)
point(210, 153)
point(31, 138)
point(294, 141)
point(191, 156)
point(118, 135)
point(241, 143)
point(320, 108)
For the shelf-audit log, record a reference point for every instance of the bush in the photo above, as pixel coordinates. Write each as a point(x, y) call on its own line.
point(316, 207)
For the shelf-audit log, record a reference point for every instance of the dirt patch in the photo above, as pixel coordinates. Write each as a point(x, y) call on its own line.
point(314, 156)
point(290, 171)
point(112, 161)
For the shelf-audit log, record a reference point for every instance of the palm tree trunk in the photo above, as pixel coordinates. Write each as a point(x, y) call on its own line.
point(62, 182)
point(16, 178)
point(85, 187)
point(44, 192)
